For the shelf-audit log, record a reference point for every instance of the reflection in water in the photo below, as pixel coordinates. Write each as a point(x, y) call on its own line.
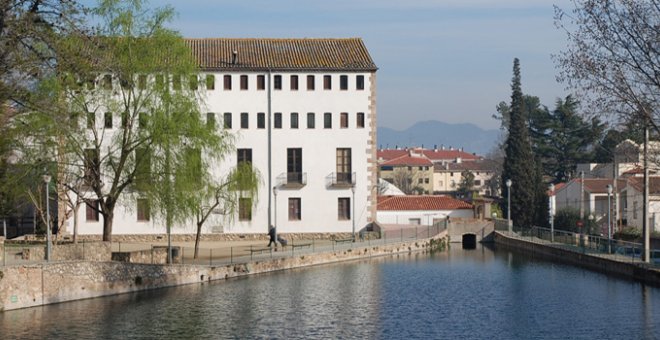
point(480, 293)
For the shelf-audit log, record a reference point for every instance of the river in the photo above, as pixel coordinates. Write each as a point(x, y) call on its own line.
point(483, 293)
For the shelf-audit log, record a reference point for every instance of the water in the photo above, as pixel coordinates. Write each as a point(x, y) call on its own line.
point(482, 293)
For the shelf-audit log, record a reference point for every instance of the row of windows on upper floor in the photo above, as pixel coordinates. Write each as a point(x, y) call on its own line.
point(176, 81)
point(294, 120)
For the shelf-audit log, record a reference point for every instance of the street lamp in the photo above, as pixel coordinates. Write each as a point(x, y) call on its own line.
point(552, 213)
point(275, 212)
point(609, 222)
point(353, 211)
point(48, 246)
point(508, 207)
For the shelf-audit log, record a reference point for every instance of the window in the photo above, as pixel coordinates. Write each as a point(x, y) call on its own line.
point(142, 168)
point(359, 82)
point(176, 82)
point(278, 120)
point(244, 120)
point(193, 82)
point(327, 82)
point(343, 82)
point(344, 208)
point(360, 120)
point(426, 180)
point(92, 165)
point(210, 82)
point(107, 82)
point(227, 82)
point(143, 119)
point(415, 221)
point(310, 83)
point(261, 120)
point(107, 120)
point(244, 209)
point(294, 209)
point(227, 120)
point(160, 81)
point(421, 168)
point(143, 210)
point(420, 181)
point(343, 120)
point(261, 82)
point(310, 120)
point(92, 211)
point(142, 81)
point(294, 120)
point(277, 82)
point(91, 120)
point(327, 120)
point(244, 156)
point(294, 83)
point(210, 120)
point(244, 82)
point(344, 171)
point(294, 165)
point(477, 182)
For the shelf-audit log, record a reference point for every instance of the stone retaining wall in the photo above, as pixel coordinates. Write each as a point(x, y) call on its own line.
point(85, 251)
point(35, 285)
point(601, 264)
point(155, 255)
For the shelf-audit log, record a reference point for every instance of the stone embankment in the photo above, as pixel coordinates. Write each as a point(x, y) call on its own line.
point(602, 264)
point(35, 285)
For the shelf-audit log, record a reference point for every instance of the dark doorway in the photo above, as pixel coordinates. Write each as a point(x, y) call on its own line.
point(469, 241)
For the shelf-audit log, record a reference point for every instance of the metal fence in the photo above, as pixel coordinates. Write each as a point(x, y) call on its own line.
point(614, 249)
point(231, 252)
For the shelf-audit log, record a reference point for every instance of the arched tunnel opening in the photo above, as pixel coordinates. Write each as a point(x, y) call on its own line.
point(469, 241)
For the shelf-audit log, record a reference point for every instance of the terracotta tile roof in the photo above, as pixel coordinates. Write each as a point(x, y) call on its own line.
point(558, 187)
point(425, 202)
point(387, 154)
point(598, 185)
point(638, 184)
point(348, 54)
point(406, 160)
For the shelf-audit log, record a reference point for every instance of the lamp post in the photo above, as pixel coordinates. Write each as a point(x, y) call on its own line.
point(275, 213)
point(353, 211)
point(609, 222)
point(552, 213)
point(508, 206)
point(48, 246)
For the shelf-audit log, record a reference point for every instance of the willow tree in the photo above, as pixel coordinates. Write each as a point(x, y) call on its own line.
point(132, 131)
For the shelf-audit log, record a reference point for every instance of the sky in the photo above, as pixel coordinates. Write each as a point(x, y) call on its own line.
point(446, 60)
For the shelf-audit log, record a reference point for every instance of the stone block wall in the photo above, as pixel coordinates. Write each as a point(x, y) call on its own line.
point(46, 283)
point(84, 251)
point(155, 255)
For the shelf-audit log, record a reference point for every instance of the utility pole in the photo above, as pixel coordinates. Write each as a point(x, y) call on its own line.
point(645, 208)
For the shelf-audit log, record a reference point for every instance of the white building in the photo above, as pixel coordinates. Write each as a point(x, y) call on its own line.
point(304, 114)
point(421, 209)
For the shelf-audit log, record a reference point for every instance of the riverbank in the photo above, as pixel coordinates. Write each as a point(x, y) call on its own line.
point(600, 263)
point(47, 283)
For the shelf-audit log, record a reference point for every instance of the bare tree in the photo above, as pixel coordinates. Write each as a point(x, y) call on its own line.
point(406, 180)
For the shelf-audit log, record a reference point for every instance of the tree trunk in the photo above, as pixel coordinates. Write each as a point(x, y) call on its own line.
point(75, 223)
point(107, 226)
point(197, 237)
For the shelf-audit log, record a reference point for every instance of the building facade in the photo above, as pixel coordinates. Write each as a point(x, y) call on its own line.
point(303, 112)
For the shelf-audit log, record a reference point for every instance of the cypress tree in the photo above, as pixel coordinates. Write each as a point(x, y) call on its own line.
point(519, 162)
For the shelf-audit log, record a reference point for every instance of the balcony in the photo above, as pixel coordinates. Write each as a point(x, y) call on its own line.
point(342, 179)
point(292, 180)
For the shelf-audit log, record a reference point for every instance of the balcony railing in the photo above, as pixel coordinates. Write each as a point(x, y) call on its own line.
point(292, 179)
point(342, 179)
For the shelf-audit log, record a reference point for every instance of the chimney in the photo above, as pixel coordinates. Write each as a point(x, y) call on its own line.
point(234, 57)
point(442, 147)
point(451, 148)
point(435, 147)
point(459, 160)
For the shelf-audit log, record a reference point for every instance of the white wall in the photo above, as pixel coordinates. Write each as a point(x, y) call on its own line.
point(319, 202)
point(426, 216)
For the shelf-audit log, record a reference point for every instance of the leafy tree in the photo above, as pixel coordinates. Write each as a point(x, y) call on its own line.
point(518, 152)
point(133, 121)
point(466, 186)
point(611, 58)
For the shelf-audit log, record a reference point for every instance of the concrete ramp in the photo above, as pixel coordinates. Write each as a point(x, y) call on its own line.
point(461, 229)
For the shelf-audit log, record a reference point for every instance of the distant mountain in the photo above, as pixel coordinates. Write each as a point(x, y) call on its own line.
point(430, 133)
